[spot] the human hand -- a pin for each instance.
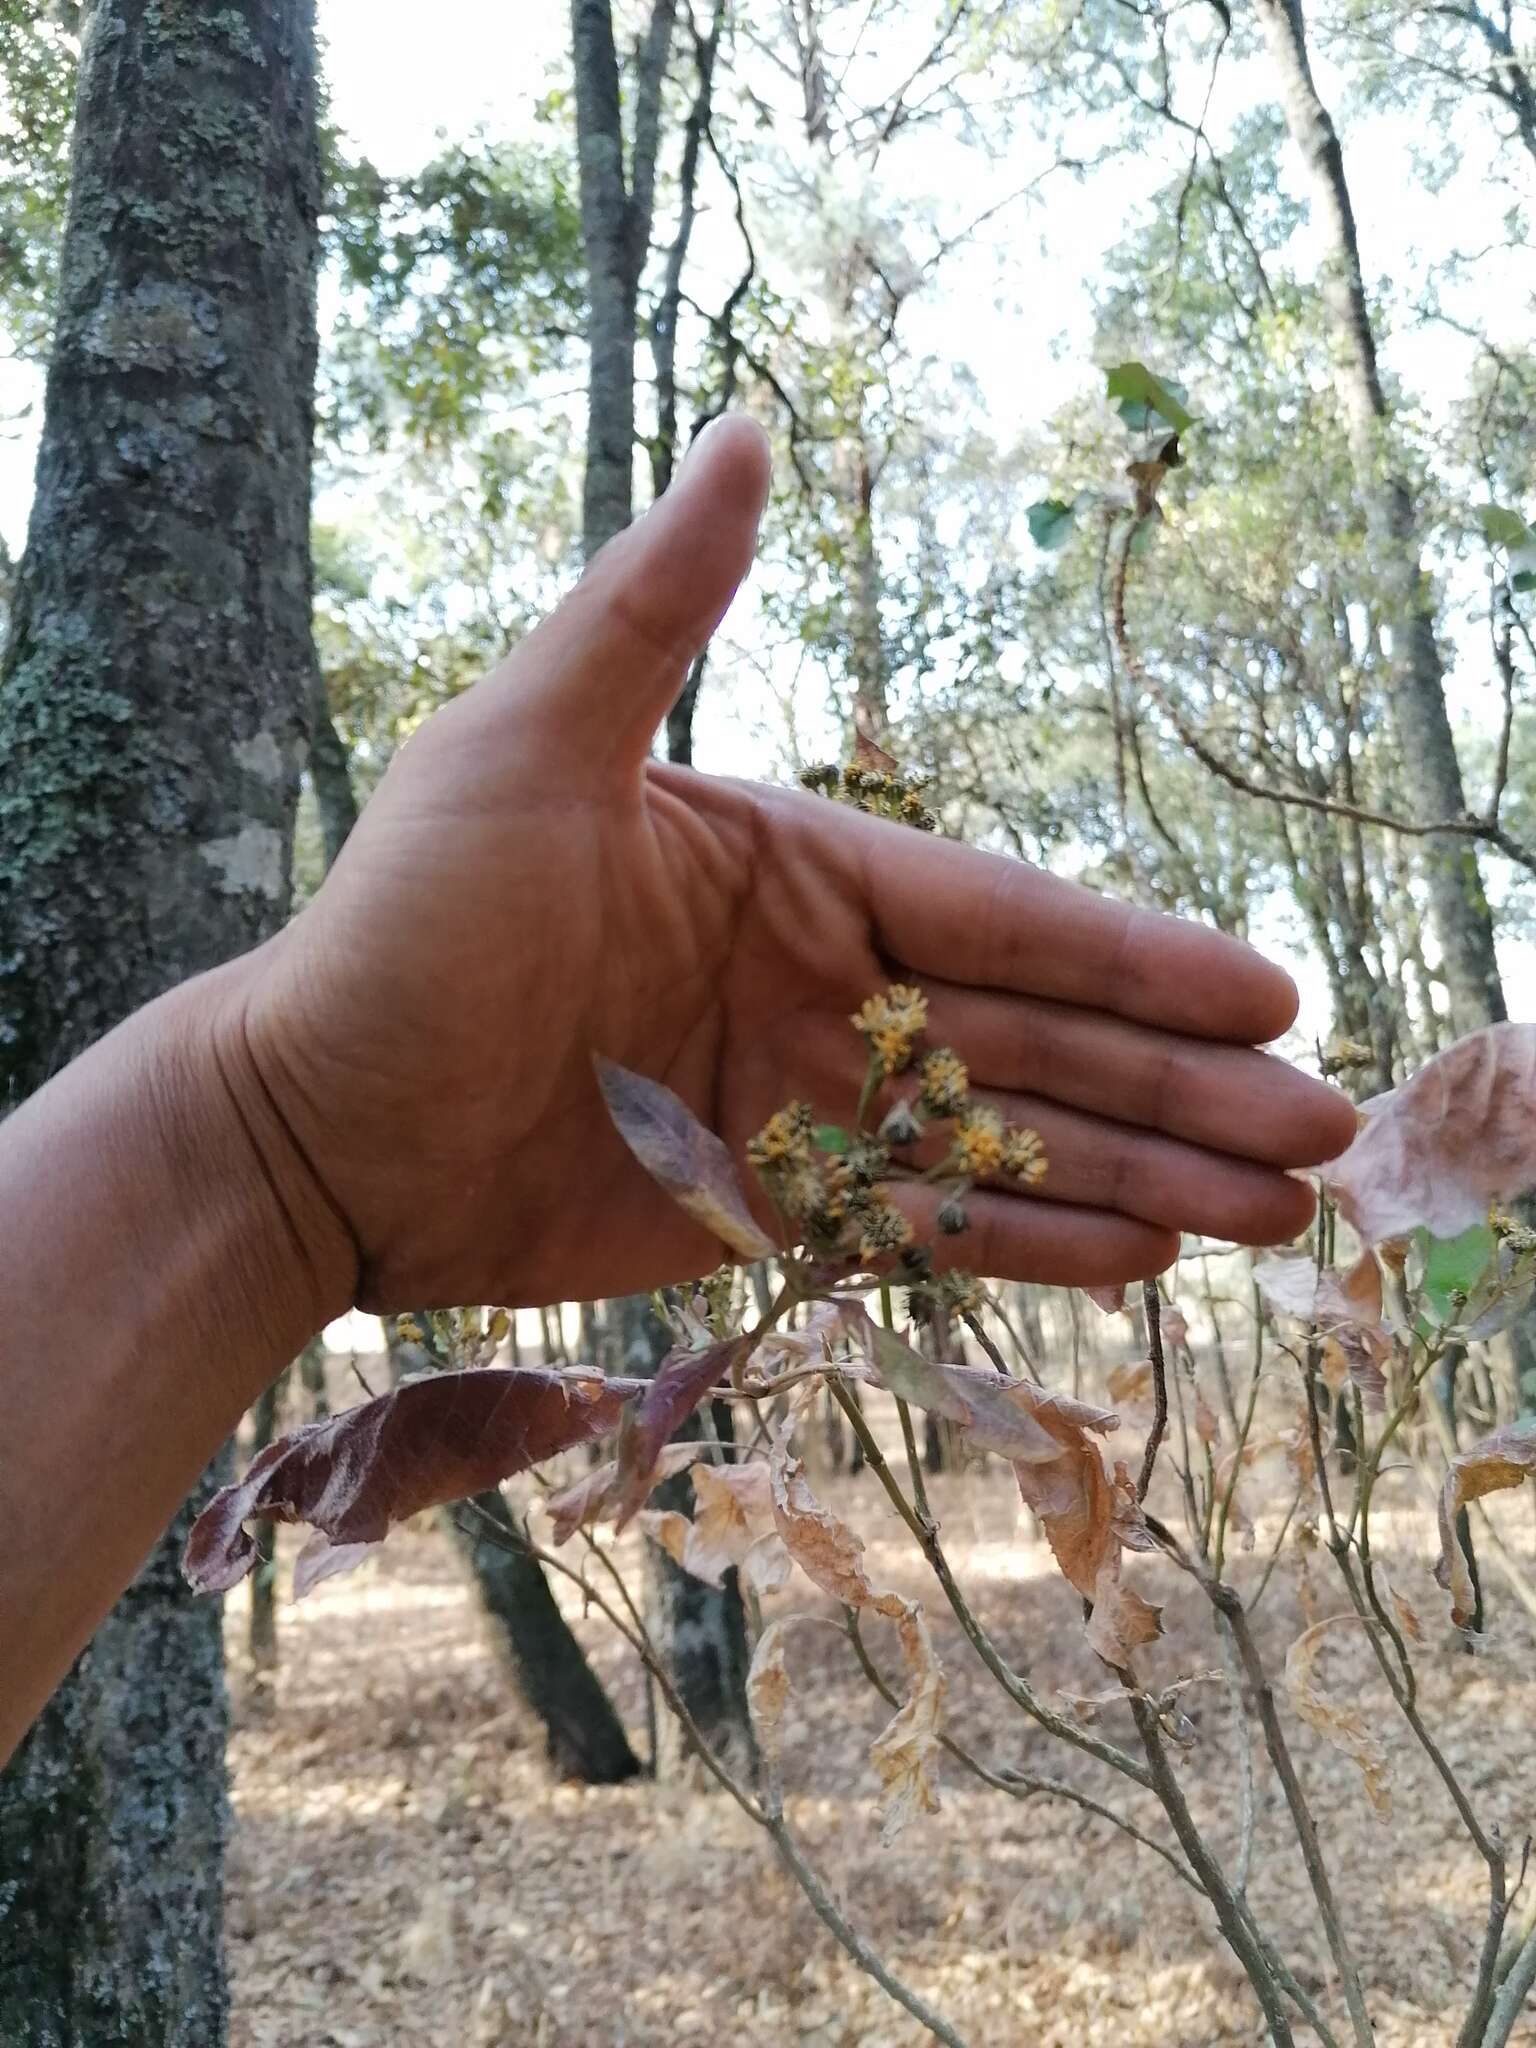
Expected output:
(528, 887)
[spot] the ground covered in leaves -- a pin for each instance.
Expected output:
(404, 1871)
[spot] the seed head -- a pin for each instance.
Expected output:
(945, 1085)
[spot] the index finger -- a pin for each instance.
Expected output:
(995, 923)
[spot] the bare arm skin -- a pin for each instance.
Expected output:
(392, 1103)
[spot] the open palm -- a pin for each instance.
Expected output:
(528, 888)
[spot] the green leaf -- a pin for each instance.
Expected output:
(1502, 528)
(1138, 394)
(1050, 521)
(832, 1138)
(1523, 580)
(1453, 1266)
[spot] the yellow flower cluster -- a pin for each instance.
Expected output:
(1024, 1156)
(980, 1141)
(891, 1024)
(880, 792)
(785, 1140)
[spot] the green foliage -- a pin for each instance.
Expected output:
(38, 50)
(1137, 396)
(1050, 522)
(459, 284)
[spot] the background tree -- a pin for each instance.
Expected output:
(154, 702)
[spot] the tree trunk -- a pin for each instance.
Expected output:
(154, 699)
(616, 205)
(583, 1736)
(700, 1629)
(263, 1625)
(1463, 924)
(330, 774)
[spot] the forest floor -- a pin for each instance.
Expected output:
(404, 1871)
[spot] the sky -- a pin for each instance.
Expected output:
(396, 82)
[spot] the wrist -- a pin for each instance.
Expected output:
(220, 1127)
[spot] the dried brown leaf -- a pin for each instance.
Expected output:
(677, 1151)
(768, 1688)
(670, 1531)
(431, 1441)
(1291, 1282)
(906, 1752)
(1088, 1519)
(1130, 1385)
(1110, 1299)
(1012, 1417)
(1337, 1723)
(1491, 1465)
(1458, 1135)
(682, 1380)
(1207, 1422)
(594, 1497)
(321, 1559)
(829, 1553)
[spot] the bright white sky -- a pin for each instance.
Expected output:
(394, 88)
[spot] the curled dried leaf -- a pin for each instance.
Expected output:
(906, 1752)
(430, 1441)
(1456, 1136)
(676, 1150)
(1089, 1520)
(682, 1380)
(1337, 1723)
(1010, 1417)
(1130, 1385)
(1491, 1465)
(768, 1689)
(594, 1497)
(829, 1553)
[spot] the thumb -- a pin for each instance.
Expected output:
(602, 670)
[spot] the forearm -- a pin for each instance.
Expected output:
(157, 1268)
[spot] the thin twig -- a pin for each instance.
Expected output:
(1019, 1784)
(1017, 1688)
(1152, 1302)
(1512, 1995)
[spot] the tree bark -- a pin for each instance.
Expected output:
(263, 1622)
(1463, 924)
(616, 208)
(154, 700)
(583, 1736)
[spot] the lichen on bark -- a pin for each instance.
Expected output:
(154, 704)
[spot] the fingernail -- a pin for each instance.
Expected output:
(701, 436)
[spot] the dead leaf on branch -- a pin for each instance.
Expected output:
(768, 1688)
(428, 1442)
(1337, 1723)
(832, 1556)
(682, 1380)
(1010, 1417)
(594, 1497)
(1110, 1299)
(1457, 1136)
(676, 1150)
(1347, 1305)
(1089, 1520)
(1291, 1282)
(1491, 1465)
(732, 1527)
(906, 1753)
